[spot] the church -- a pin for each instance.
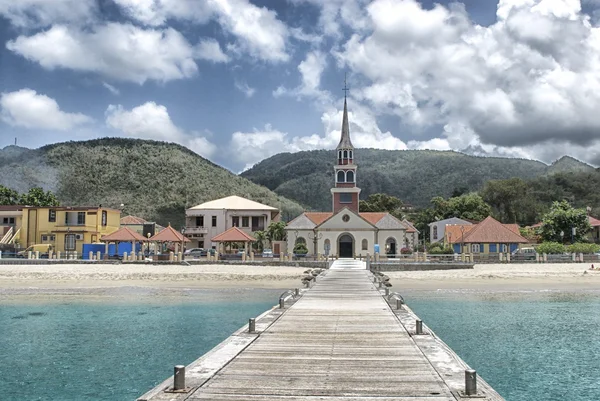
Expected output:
(346, 232)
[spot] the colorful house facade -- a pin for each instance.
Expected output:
(488, 236)
(66, 228)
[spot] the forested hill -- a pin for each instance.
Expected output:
(154, 180)
(415, 176)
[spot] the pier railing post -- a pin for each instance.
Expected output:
(398, 304)
(252, 325)
(179, 378)
(470, 382)
(419, 326)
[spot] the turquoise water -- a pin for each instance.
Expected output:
(529, 347)
(94, 351)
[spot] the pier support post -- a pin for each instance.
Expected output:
(508, 257)
(179, 378)
(37, 254)
(98, 255)
(419, 326)
(470, 382)
(91, 255)
(251, 325)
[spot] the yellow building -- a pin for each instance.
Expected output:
(10, 222)
(66, 228)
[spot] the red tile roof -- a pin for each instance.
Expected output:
(234, 234)
(455, 234)
(373, 217)
(593, 221)
(169, 234)
(318, 217)
(514, 228)
(132, 220)
(124, 234)
(491, 230)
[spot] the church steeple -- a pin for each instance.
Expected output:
(345, 193)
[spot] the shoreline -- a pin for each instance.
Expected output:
(159, 281)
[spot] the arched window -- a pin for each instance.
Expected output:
(350, 176)
(341, 177)
(435, 233)
(350, 154)
(345, 154)
(339, 154)
(365, 245)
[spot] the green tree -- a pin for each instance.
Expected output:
(276, 231)
(261, 237)
(37, 197)
(8, 196)
(563, 218)
(382, 203)
(469, 206)
(506, 197)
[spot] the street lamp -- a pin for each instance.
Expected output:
(562, 236)
(462, 242)
(182, 239)
(148, 235)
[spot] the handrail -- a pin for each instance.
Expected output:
(283, 297)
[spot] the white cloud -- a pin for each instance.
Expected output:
(41, 13)
(122, 52)
(252, 147)
(111, 88)
(209, 49)
(26, 108)
(532, 78)
(152, 121)
(258, 31)
(311, 69)
(245, 88)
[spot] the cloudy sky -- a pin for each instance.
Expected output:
(240, 80)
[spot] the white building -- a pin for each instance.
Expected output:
(206, 221)
(437, 229)
(346, 232)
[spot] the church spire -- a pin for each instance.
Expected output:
(345, 142)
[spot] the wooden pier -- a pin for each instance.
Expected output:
(340, 340)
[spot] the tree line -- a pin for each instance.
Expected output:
(34, 197)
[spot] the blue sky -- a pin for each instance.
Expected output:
(240, 80)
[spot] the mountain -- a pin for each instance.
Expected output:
(568, 164)
(415, 176)
(154, 180)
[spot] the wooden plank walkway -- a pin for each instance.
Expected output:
(339, 341)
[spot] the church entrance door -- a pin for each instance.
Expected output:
(346, 246)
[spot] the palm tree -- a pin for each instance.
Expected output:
(261, 237)
(276, 231)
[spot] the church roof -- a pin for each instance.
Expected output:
(345, 142)
(373, 217)
(318, 217)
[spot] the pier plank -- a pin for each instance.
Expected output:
(339, 341)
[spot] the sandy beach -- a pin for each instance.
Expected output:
(109, 278)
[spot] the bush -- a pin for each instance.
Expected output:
(580, 247)
(300, 249)
(551, 248)
(438, 250)
(405, 251)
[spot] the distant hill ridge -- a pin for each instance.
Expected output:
(155, 180)
(415, 176)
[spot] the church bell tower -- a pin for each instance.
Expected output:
(345, 193)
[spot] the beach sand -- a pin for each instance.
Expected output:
(123, 279)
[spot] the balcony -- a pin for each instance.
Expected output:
(196, 230)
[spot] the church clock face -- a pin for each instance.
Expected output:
(345, 218)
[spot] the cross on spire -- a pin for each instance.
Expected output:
(345, 89)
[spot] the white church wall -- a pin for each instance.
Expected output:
(358, 236)
(292, 237)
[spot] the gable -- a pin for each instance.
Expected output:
(355, 222)
(301, 222)
(389, 222)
